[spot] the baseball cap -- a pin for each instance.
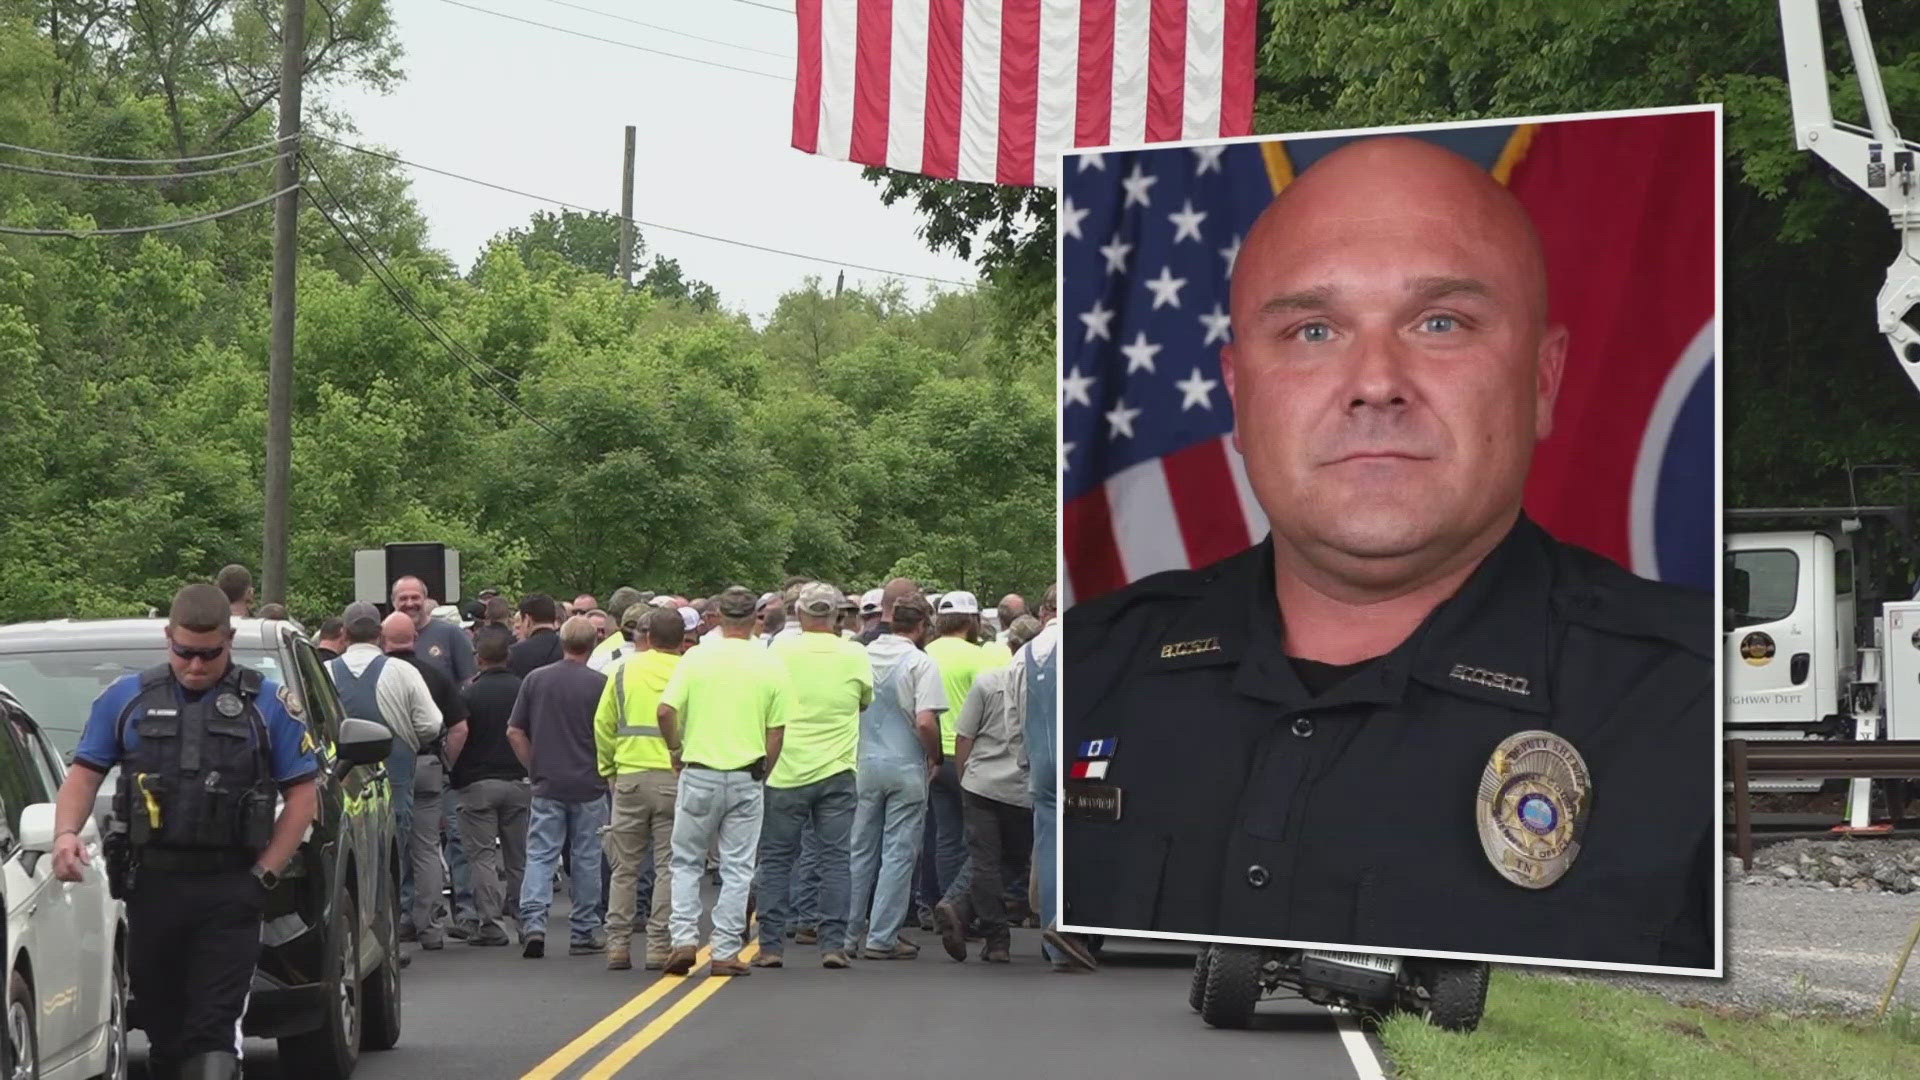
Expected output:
(959, 602)
(870, 602)
(360, 609)
(662, 601)
(690, 619)
(765, 599)
(819, 598)
(488, 594)
(630, 618)
(736, 602)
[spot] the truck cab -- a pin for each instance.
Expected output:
(1789, 629)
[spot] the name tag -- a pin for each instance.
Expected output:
(1095, 802)
(163, 712)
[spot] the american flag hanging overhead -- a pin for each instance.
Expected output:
(993, 90)
(1626, 214)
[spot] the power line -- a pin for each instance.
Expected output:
(130, 229)
(139, 178)
(637, 221)
(670, 30)
(372, 261)
(611, 41)
(144, 161)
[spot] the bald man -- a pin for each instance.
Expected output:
(1315, 740)
(443, 645)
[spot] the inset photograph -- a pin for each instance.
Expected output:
(1390, 507)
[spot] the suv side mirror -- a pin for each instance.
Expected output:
(362, 742)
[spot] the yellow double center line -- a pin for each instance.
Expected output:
(609, 1066)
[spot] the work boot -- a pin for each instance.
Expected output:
(433, 941)
(533, 946)
(489, 934)
(408, 933)
(998, 949)
(463, 929)
(807, 935)
(769, 960)
(587, 946)
(834, 958)
(1073, 948)
(656, 960)
(680, 960)
(731, 966)
(210, 1066)
(953, 934)
(619, 958)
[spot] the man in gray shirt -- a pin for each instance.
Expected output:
(995, 801)
(551, 731)
(440, 644)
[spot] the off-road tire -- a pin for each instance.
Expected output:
(1457, 994)
(1197, 989)
(1232, 986)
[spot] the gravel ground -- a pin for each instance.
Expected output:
(1802, 946)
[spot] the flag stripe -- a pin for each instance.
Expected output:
(806, 79)
(1144, 525)
(1019, 90)
(1093, 559)
(1167, 70)
(907, 89)
(980, 92)
(1236, 75)
(1201, 103)
(839, 29)
(872, 82)
(1205, 502)
(1130, 23)
(941, 156)
(1059, 77)
(1093, 118)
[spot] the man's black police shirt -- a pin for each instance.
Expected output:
(1252, 807)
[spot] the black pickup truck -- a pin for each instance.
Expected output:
(328, 981)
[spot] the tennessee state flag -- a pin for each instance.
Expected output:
(1627, 211)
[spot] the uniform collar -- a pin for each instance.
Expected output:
(1487, 643)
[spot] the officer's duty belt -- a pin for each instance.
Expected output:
(194, 861)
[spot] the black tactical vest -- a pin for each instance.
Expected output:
(200, 777)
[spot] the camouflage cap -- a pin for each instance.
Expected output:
(820, 598)
(738, 602)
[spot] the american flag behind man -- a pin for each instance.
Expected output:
(1626, 211)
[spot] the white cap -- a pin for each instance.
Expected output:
(690, 618)
(958, 602)
(870, 602)
(662, 601)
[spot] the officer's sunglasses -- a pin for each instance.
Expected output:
(188, 652)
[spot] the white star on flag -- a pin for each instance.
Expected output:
(1140, 354)
(1209, 157)
(1231, 254)
(1219, 325)
(1187, 222)
(1073, 388)
(1066, 453)
(1097, 321)
(1070, 218)
(1137, 183)
(1165, 288)
(1116, 254)
(1120, 420)
(1093, 161)
(1197, 390)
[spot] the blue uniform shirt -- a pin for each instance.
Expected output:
(101, 747)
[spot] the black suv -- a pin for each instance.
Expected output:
(328, 981)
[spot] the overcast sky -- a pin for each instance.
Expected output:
(544, 111)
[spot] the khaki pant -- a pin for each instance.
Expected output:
(642, 821)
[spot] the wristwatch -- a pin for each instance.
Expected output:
(267, 878)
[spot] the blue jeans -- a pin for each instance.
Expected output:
(886, 839)
(805, 893)
(554, 825)
(827, 807)
(1042, 739)
(724, 805)
(402, 762)
(946, 835)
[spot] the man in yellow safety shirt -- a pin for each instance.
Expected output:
(635, 759)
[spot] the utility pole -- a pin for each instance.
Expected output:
(286, 216)
(626, 215)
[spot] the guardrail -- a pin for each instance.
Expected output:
(1882, 760)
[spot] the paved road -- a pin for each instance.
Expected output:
(483, 1013)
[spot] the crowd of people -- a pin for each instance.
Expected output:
(840, 768)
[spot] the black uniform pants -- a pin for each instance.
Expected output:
(996, 832)
(192, 941)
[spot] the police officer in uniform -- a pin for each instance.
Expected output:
(203, 747)
(1410, 718)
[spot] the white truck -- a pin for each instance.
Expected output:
(1806, 655)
